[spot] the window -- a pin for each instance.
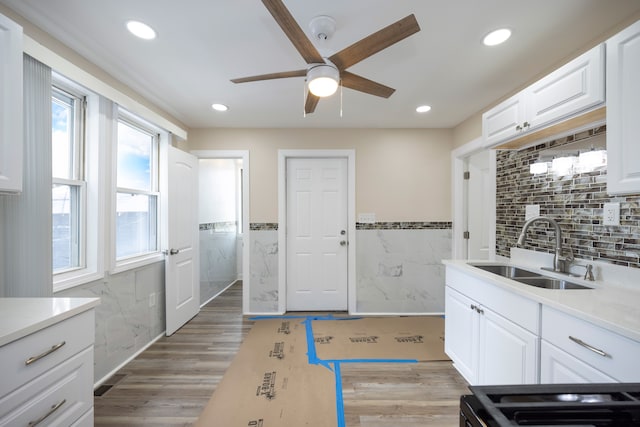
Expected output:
(136, 201)
(69, 187)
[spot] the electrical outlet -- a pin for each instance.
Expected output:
(152, 299)
(611, 214)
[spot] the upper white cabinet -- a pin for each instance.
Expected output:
(570, 90)
(10, 106)
(623, 111)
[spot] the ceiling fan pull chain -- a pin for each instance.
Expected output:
(341, 98)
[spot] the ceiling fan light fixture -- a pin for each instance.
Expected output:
(323, 80)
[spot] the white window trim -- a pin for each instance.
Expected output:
(120, 265)
(93, 227)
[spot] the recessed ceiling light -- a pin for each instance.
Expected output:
(423, 108)
(219, 107)
(497, 37)
(142, 30)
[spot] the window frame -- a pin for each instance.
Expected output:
(140, 259)
(89, 184)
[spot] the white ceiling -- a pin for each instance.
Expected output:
(202, 44)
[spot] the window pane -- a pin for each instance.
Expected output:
(62, 136)
(65, 230)
(134, 158)
(135, 224)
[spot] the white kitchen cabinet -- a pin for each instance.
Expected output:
(571, 90)
(490, 333)
(559, 367)
(10, 106)
(623, 110)
(48, 370)
(574, 350)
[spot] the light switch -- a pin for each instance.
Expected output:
(367, 218)
(531, 211)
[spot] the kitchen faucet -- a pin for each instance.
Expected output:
(559, 261)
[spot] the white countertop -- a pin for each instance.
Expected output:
(612, 307)
(20, 317)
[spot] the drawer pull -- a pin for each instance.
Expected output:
(53, 409)
(30, 360)
(589, 347)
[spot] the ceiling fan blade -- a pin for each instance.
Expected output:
(271, 76)
(311, 103)
(293, 31)
(355, 82)
(375, 42)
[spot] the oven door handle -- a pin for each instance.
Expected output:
(589, 347)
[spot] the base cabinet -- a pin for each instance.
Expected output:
(559, 367)
(485, 347)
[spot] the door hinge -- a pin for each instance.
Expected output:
(466, 175)
(465, 235)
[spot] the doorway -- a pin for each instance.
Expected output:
(474, 206)
(223, 220)
(316, 230)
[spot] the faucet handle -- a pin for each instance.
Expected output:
(588, 275)
(567, 255)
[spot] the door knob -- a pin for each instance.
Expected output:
(343, 242)
(172, 251)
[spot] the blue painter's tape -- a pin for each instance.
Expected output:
(339, 398)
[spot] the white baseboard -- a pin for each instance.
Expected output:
(218, 294)
(123, 364)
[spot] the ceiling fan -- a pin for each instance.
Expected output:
(334, 67)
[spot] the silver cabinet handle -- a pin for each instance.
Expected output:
(53, 409)
(32, 359)
(589, 347)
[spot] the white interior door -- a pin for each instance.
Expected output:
(182, 262)
(478, 205)
(317, 234)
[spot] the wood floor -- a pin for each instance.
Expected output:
(170, 383)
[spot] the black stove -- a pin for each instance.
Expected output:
(584, 405)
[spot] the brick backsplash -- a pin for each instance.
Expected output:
(575, 201)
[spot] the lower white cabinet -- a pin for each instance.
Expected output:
(487, 348)
(559, 367)
(48, 375)
(574, 350)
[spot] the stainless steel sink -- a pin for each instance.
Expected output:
(549, 283)
(529, 277)
(506, 271)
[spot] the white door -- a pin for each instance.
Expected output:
(182, 263)
(317, 234)
(478, 205)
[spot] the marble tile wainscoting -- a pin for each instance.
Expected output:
(575, 200)
(218, 258)
(125, 322)
(398, 267)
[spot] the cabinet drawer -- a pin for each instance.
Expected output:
(518, 309)
(67, 387)
(584, 340)
(76, 333)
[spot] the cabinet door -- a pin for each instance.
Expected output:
(572, 88)
(503, 121)
(508, 352)
(623, 110)
(10, 106)
(461, 334)
(559, 367)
